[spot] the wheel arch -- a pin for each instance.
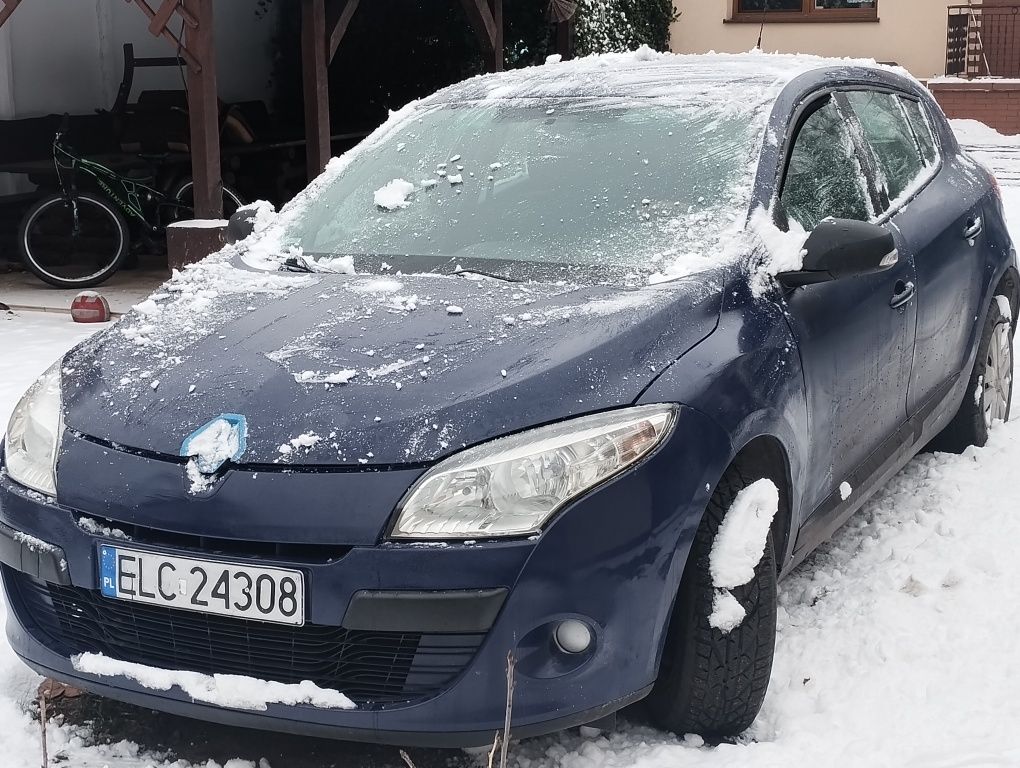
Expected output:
(1009, 286)
(765, 456)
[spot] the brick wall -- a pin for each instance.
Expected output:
(996, 103)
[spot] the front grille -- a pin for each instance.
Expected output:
(369, 667)
(295, 553)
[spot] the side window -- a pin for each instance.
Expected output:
(887, 130)
(824, 177)
(921, 123)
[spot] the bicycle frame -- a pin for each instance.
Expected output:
(131, 196)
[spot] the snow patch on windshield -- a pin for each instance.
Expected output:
(393, 196)
(232, 691)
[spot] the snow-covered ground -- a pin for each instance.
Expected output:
(897, 641)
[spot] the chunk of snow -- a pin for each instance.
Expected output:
(1005, 310)
(393, 195)
(495, 166)
(554, 58)
(96, 528)
(318, 377)
(198, 224)
(727, 612)
(307, 441)
(231, 691)
(740, 540)
(785, 250)
(455, 179)
(845, 489)
(453, 309)
(215, 444)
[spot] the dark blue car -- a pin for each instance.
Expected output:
(561, 370)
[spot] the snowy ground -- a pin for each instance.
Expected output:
(897, 642)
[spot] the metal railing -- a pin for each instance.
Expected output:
(983, 41)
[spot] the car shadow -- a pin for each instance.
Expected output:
(195, 741)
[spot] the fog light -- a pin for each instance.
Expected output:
(573, 636)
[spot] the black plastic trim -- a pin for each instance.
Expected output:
(46, 563)
(469, 610)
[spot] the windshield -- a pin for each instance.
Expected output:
(630, 184)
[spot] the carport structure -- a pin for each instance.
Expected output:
(323, 26)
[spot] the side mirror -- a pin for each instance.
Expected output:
(839, 248)
(242, 223)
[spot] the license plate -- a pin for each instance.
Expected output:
(227, 589)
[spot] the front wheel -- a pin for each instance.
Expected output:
(989, 393)
(718, 656)
(73, 242)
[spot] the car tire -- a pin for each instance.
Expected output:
(973, 421)
(713, 683)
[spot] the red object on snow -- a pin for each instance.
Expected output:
(90, 307)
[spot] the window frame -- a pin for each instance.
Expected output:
(883, 204)
(862, 154)
(862, 149)
(807, 13)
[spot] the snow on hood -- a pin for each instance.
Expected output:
(366, 369)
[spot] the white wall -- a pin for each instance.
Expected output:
(65, 55)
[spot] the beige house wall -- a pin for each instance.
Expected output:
(911, 33)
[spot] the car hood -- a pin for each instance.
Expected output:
(372, 370)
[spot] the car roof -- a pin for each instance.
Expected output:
(681, 77)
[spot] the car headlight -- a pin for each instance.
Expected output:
(513, 485)
(33, 435)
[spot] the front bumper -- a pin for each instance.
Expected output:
(612, 560)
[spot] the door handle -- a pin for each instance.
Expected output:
(973, 228)
(903, 293)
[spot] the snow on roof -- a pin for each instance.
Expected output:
(645, 73)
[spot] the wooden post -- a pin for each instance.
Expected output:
(565, 38)
(494, 61)
(486, 16)
(204, 112)
(315, 76)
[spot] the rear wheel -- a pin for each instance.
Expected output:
(76, 242)
(713, 682)
(184, 196)
(990, 390)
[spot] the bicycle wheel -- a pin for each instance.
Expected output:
(75, 243)
(184, 196)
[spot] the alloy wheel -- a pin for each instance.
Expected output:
(998, 378)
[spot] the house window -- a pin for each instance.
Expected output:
(804, 10)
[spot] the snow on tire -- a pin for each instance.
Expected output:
(718, 655)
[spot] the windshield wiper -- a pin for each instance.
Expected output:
(297, 264)
(504, 278)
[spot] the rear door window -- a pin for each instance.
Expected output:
(921, 123)
(824, 176)
(889, 133)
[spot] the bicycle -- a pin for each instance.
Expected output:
(78, 239)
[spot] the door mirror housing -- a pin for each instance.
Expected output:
(840, 248)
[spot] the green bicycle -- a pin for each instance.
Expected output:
(77, 238)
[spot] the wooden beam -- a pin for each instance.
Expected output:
(204, 112)
(495, 60)
(7, 7)
(565, 38)
(160, 18)
(181, 45)
(339, 28)
(315, 79)
(486, 17)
